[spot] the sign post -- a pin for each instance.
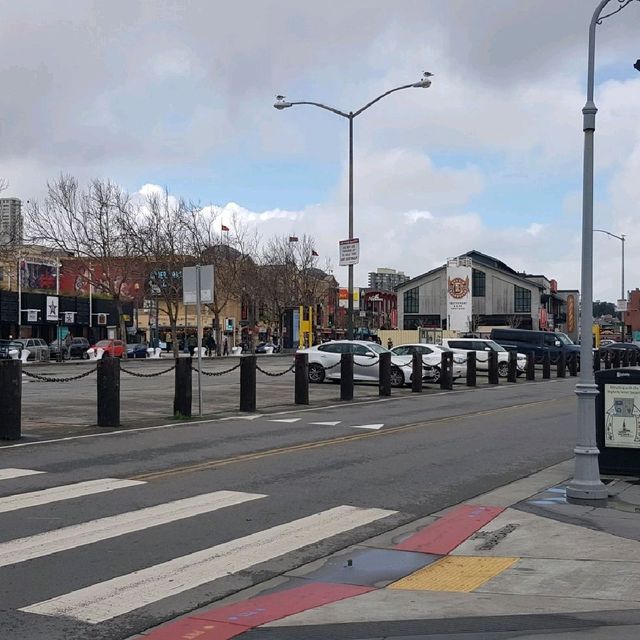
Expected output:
(197, 288)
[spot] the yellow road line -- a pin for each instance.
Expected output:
(307, 446)
(461, 574)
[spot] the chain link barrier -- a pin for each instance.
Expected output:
(216, 373)
(276, 374)
(35, 376)
(146, 375)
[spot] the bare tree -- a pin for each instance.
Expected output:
(161, 233)
(514, 321)
(231, 249)
(290, 276)
(90, 225)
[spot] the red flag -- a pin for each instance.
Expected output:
(293, 238)
(225, 228)
(314, 253)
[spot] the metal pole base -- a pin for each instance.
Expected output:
(586, 484)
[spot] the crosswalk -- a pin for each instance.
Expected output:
(105, 596)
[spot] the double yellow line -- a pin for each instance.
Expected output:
(308, 446)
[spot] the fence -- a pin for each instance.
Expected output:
(109, 370)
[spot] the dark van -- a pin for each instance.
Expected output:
(537, 342)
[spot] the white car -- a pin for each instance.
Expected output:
(324, 362)
(482, 347)
(432, 357)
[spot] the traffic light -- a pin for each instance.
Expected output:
(636, 66)
(229, 324)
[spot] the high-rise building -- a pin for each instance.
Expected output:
(384, 279)
(10, 221)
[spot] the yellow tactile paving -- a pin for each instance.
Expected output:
(455, 573)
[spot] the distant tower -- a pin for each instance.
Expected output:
(10, 221)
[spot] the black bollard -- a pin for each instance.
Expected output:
(302, 379)
(546, 366)
(616, 359)
(561, 365)
(512, 367)
(596, 360)
(446, 370)
(108, 392)
(11, 394)
(248, 383)
(633, 358)
(607, 359)
(625, 358)
(182, 393)
(573, 365)
(492, 362)
(346, 376)
(531, 366)
(384, 375)
(471, 368)
(416, 372)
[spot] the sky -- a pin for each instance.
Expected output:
(179, 95)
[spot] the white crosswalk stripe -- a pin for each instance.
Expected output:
(64, 492)
(106, 600)
(7, 474)
(44, 544)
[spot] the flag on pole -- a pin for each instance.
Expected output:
(225, 228)
(293, 238)
(314, 253)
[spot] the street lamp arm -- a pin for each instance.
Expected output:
(613, 235)
(323, 106)
(623, 4)
(384, 95)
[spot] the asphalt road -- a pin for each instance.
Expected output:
(391, 460)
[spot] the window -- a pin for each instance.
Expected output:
(478, 284)
(360, 350)
(522, 300)
(411, 300)
(330, 348)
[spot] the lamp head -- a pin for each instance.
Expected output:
(281, 103)
(636, 66)
(424, 82)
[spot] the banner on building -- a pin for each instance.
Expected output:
(459, 309)
(343, 298)
(39, 274)
(52, 309)
(32, 315)
(69, 317)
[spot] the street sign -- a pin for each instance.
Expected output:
(69, 317)
(349, 252)
(621, 305)
(32, 315)
(189, 286)
(52, 308)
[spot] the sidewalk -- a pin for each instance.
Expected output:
(518, 561)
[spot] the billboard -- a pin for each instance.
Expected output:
(459, 308)
(38, 274)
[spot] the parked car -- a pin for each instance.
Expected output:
(537, 342)
(432, 358)
(6, 346)
(77, 348)
(481, 347)
(366, 356)
(38, 348)
(619, 346)
(137, 350)
(267, 347)
(114, 348)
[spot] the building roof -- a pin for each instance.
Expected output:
(478, 258)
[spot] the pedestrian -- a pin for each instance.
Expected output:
(389, 343)
(192, 343)
(225, 347)
(169, 340)
(210, 343)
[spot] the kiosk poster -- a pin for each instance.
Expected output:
(621, 413)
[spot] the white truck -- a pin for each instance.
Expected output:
(482, 347)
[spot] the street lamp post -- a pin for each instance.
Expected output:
(586, 483)
(621, 237)
(283, 103)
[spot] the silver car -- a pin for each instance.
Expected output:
(37, 347)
